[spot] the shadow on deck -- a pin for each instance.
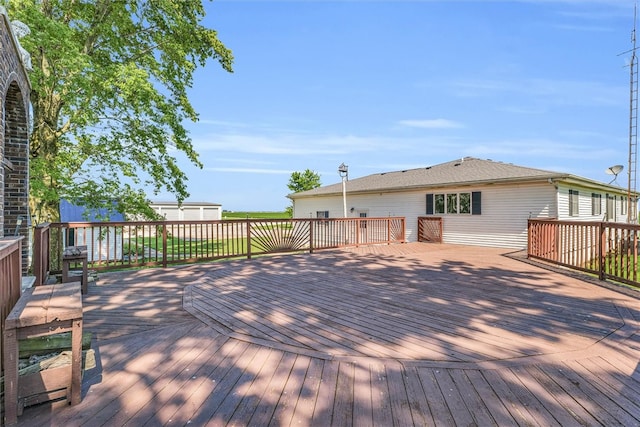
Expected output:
(412, 334)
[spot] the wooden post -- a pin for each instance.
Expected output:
(248, 239)
(310, 236)
(164, 245)
(601, 253)
(529, 237)
(634, 264)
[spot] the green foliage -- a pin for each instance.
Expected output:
(303, 181)
(289, 211)
(109, 98)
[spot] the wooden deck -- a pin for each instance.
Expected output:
(413, 334)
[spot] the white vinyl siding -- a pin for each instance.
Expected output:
(380, 205)
(585, 205)
(502, 221)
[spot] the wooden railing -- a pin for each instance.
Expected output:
(430, 229)
(10, 280)
(118, 245)
(607, 249)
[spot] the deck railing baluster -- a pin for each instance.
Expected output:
(609, 250)
(160, 243)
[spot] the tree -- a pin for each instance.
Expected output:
(109, 97)
(302, 181)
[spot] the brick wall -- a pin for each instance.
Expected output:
(14, 141)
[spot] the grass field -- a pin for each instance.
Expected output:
(254, 215)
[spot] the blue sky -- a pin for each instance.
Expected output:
(392, 85)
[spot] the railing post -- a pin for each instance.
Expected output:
(529, 236)
(164, 245)
(37, 255)
(635, 257)
(601, 253)
(310, 236)
(248, 239)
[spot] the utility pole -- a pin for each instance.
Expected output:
(632, 203)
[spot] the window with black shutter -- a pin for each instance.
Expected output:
(454, 203)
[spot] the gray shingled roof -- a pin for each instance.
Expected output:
(464, 171)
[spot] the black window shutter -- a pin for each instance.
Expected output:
(429, 204)
(476, 203)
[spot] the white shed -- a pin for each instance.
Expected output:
(481, 202)
(188, 211)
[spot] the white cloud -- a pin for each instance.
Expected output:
(292, 144)
(540, 148)
(432, 124)
(251, 170)
(587, 28)
(554, 92)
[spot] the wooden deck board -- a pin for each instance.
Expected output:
(221, 404)
(400, 408)
(472, 400)
(363, 404)
(417, 400)
(282, 392)
(323, 407)
(307, 400)
(401, 335)
(593, 404)
(566, 400)
(380, 398)
(192, 399)
(606, 404)
(499, 413)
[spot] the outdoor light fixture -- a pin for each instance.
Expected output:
(343, 170)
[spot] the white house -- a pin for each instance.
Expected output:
(481, 202)
(188, 211)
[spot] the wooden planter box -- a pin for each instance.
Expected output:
(43, 386)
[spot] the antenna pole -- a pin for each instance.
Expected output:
(633, 127)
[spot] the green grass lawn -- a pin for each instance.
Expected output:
(184, 247)
(254, 215)
(151, 247)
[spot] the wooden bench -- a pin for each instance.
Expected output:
(43, 310)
